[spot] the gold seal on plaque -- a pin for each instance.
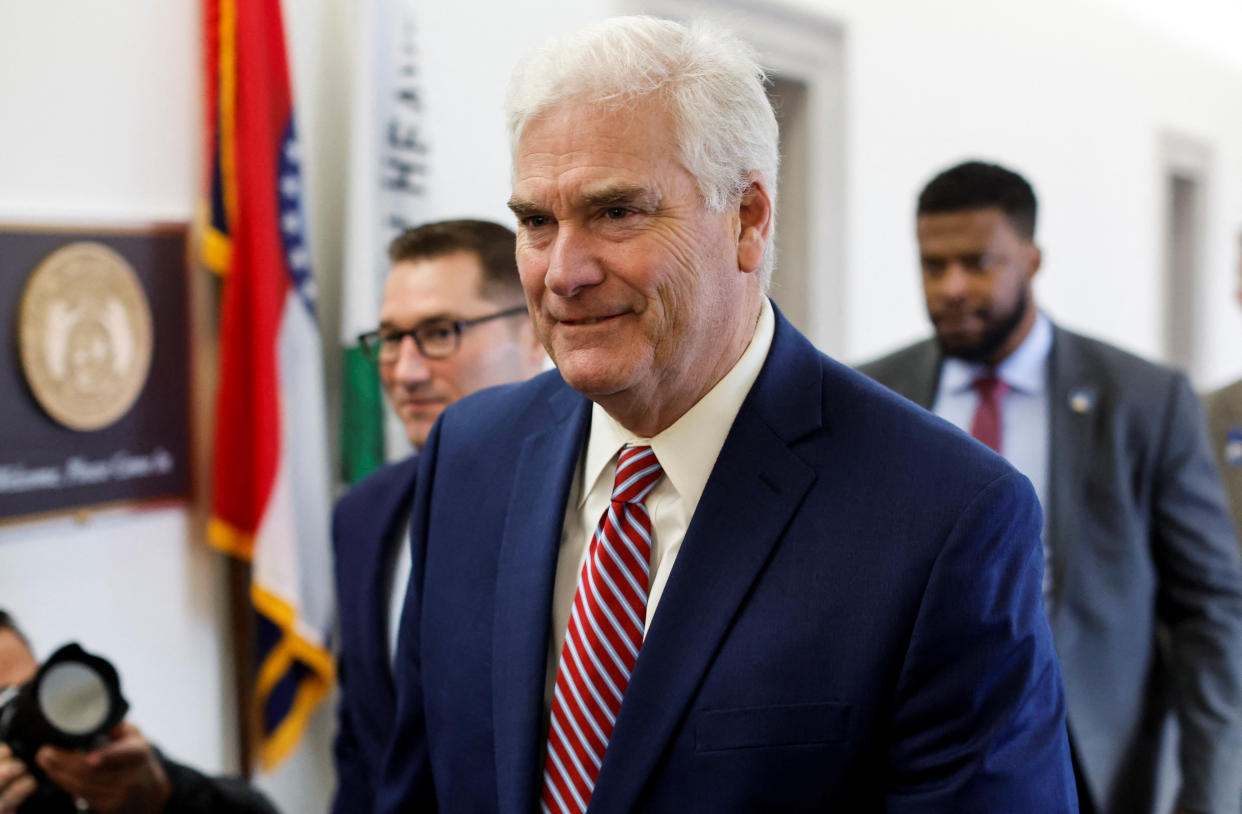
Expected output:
(84, 330)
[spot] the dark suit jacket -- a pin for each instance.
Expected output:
(1141, 547)
(367, 526)
(1224, 410)
(853, 622)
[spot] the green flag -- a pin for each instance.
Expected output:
(387, 193)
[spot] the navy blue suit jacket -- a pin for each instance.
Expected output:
(367, 526)
(853, 623)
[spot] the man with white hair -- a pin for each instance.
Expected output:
(701, 566)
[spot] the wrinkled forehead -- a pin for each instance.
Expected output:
(586, 137)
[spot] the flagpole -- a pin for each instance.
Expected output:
(241, 626)
(205, 297)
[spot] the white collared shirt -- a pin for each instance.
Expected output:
(398, 581)
(687, 450)
(1024, 410)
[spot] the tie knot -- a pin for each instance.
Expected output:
(637, 473)
(990, 387)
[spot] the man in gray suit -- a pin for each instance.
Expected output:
(1142, 579)
(1224, 409)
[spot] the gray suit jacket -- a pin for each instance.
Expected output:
(1146, 610)
(1224, 410)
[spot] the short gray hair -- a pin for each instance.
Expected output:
(710, 79)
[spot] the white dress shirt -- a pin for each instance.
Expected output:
(687, 451)
(398, 581)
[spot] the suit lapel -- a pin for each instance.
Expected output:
(723, 552)
(526, 571)
(1073, 402)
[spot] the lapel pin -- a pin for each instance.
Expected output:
(1233, 447)
(1081, 400)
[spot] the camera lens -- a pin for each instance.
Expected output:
(74, 698)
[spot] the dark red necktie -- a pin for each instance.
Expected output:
(986, 425)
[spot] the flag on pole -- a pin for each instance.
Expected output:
(387, 193)
(270, 498)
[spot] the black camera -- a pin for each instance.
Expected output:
(72, 702)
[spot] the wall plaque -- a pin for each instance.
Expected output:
(95, 383)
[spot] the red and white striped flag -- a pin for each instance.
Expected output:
(270, 499)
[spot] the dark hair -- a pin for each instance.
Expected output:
(977, 185)
(492, 243)
(7, 623)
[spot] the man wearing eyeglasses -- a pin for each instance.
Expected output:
(452, 321)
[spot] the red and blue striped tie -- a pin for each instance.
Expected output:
(605, 632)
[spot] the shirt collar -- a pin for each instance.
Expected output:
(1024, 370)
(688, 449)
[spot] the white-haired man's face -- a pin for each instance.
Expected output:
(642, 297)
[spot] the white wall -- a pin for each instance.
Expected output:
(131, 586)
(101, 122)
(101, 110)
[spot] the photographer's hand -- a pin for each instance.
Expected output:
(124, 776)
(16, 784)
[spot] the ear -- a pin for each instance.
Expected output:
(1034, 261)
(755, 217)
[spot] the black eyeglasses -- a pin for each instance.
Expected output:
(435, 338)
